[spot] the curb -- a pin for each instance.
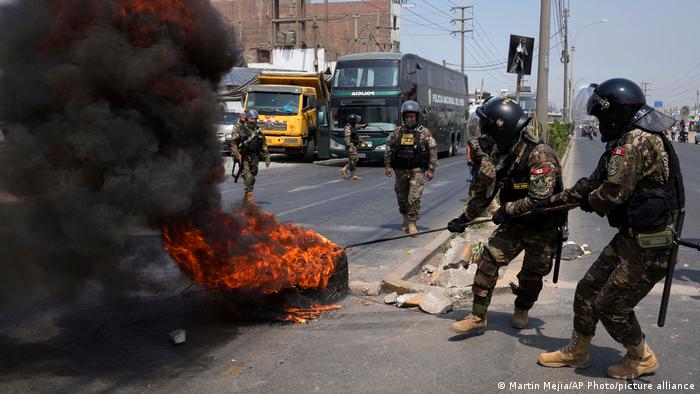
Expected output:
(565, 156)
(395, 280)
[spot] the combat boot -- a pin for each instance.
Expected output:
(575, 354)
(472, 324)
(248, 199)
(411, 228)
(638, 361)
(519, 318)
(344, 171)
(404, 225)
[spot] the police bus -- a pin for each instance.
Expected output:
(374, 85)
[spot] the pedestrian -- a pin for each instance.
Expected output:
(638, 186)
(524, 171)
(411, 151)
(248, 146)
(352, 142)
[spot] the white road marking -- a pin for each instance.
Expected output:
(342, 228)
(301, 208)
(310, 187)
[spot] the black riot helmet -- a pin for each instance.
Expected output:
(354, 119)
(615, 103)
(503, 120)
(410, 106)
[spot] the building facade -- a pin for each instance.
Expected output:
(340, 28)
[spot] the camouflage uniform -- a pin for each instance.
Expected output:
(409, 182)
(352, 140)
(624, 272)
(538, 239)
(243, 137)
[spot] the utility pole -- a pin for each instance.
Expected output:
(697, 96)
(462, 30)
(565, 60)
(369, 37)
(315, 30)
(646, 88)
(543, 69)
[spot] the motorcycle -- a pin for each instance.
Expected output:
(683, 137)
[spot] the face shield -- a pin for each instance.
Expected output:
(596, 104)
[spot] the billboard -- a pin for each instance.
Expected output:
(520, 54)
(658, 104)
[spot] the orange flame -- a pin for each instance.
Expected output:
(251, 252)
(304, 315)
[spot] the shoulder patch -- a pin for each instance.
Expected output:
(540, 171)
(618, 151)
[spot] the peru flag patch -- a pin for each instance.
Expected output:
(540, 171)
(618, 151)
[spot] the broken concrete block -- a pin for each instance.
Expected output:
(570, 251)
(364, 288)
(435, 302)
(454, 278)
(429, 269)
(408, 300)
(586, 249)
(436, 276)
(457, 293)
(466, 256)
(178, 337)
(391, 298)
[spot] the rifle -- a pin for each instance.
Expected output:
(671, 268)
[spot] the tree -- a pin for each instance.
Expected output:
(685, 111)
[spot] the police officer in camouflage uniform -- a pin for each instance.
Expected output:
(248, 146)
(637, 185)
(524, 170)
(411, 151)
(352, 142)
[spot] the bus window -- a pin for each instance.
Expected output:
(380, 73)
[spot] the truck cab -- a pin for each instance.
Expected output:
(289, 105)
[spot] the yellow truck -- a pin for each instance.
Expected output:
(290, 105)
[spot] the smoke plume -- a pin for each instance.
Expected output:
(108, 109)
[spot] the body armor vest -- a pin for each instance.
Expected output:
(253, 144)
(408, 154)
(514, 184)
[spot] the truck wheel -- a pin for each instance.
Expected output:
(310, 151)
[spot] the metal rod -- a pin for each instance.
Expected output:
(473, 222)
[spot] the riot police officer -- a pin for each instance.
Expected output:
(638, 186)
(248, 146)
(524, 171)
(352, 143)
(411, 151)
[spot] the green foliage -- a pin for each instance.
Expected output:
(559, 136)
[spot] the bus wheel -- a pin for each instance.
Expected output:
(451, 149)
(310, 151)
(456, 145)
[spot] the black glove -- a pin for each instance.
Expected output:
(540, 207)
(585, 205)
(458, 224)
(500, 216)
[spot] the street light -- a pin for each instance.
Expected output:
(573, 59)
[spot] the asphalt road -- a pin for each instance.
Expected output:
(347, 212)
(365, 347)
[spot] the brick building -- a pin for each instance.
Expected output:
(339, 27)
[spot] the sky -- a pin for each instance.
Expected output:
(643, 40)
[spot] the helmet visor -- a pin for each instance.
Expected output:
(596, 104)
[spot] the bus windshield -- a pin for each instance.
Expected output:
(376, 117)
(273, 103)
(367, 74)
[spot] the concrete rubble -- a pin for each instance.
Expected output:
(391, 298)
(360, 288)
(409, 300)
(571, 251)
(178, 337)
(435, 301)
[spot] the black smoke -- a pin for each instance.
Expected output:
(108, 109)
